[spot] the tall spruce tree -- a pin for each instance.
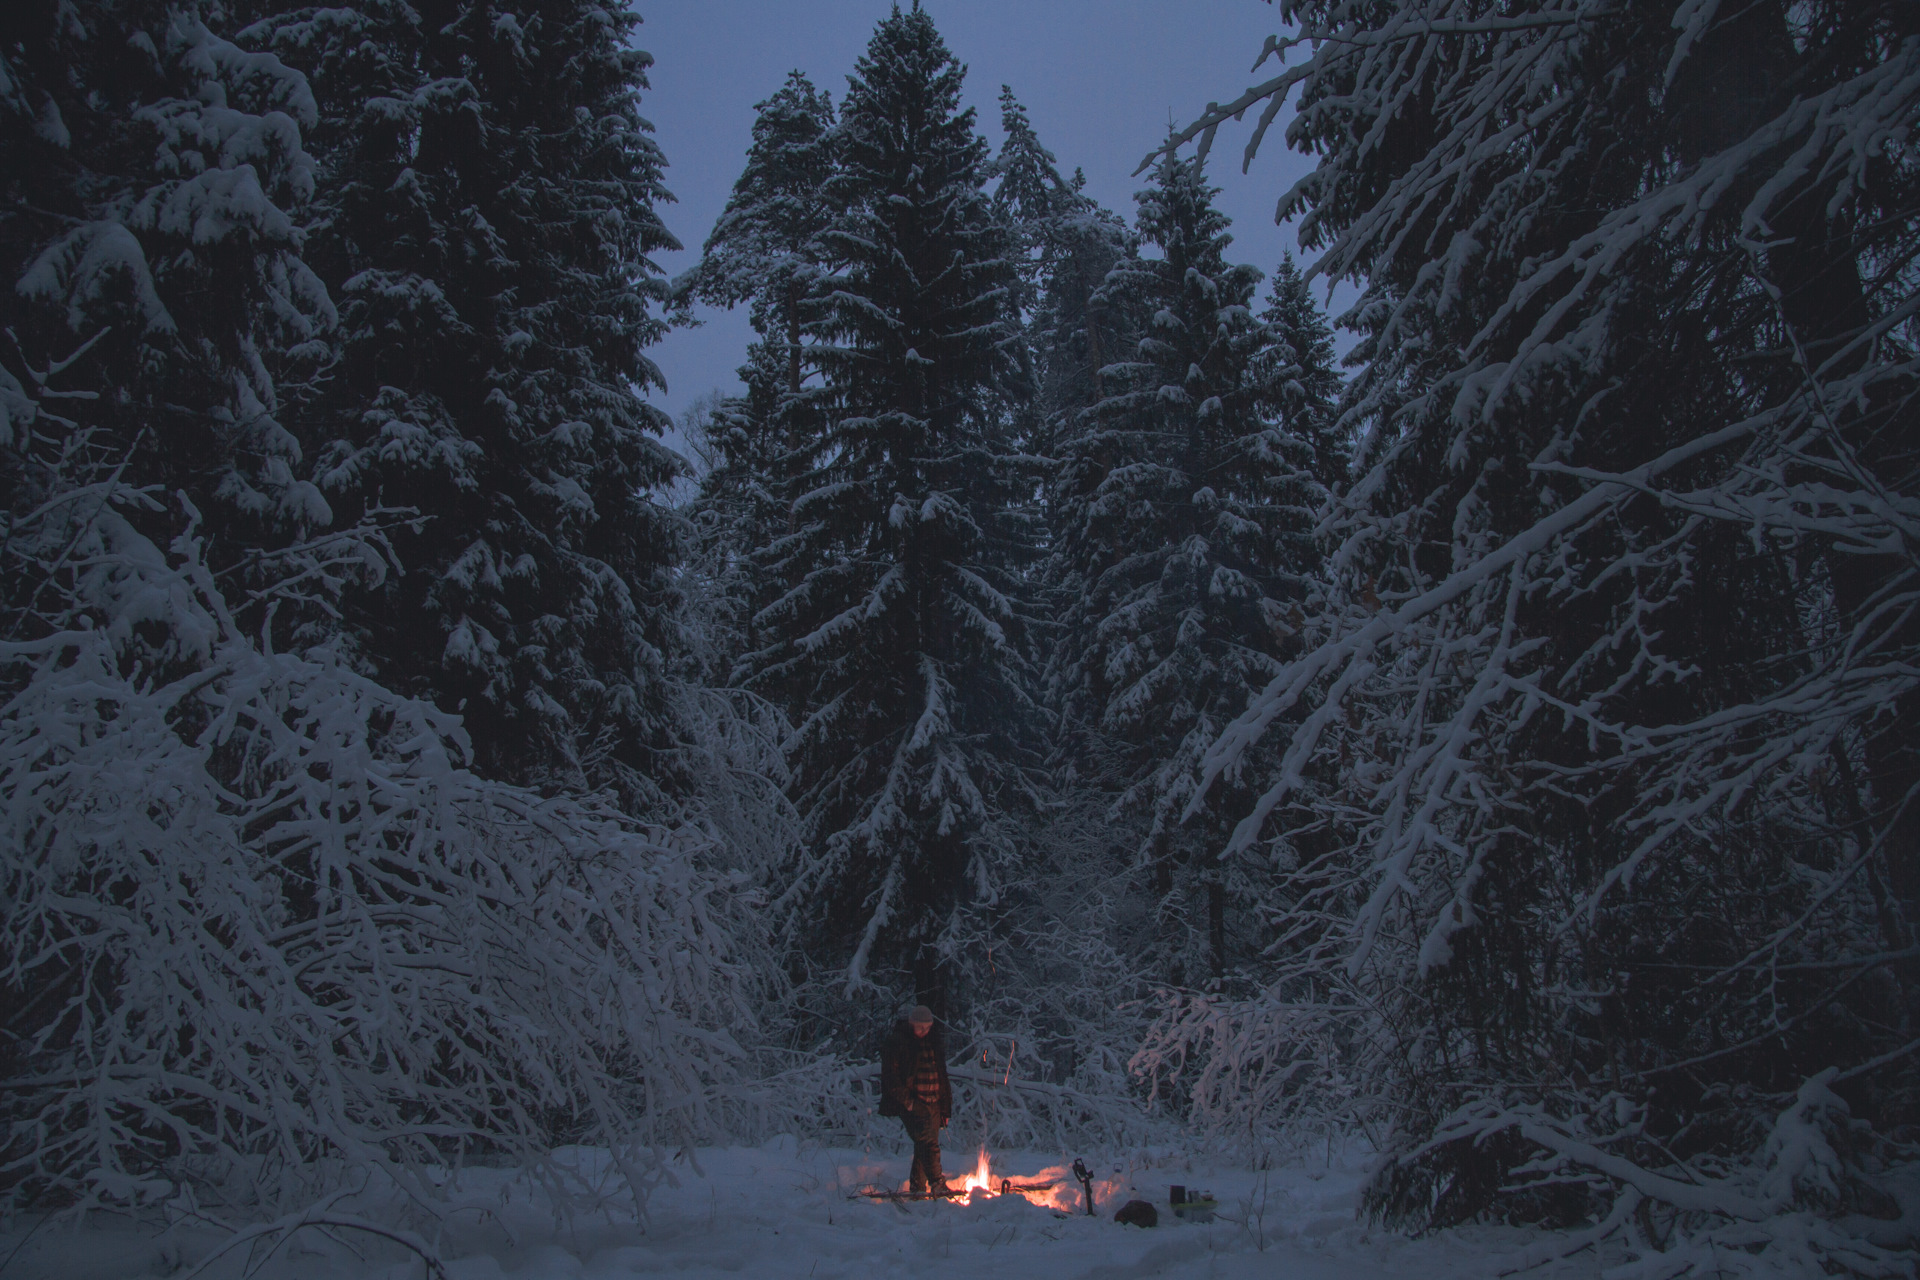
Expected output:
(1183, 510)
(762, 250)
(489, 192)
(897, 646)
(765, 251)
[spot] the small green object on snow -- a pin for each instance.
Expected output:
(1192, 1206)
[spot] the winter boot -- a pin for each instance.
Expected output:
(927, 1178)
(936, 1180)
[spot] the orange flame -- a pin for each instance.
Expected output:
(981, 1179)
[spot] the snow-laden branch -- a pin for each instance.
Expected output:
(263, 921)
(1592, 772)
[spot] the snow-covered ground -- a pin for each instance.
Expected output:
(783, 1211)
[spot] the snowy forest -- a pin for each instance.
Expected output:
(1494, 751)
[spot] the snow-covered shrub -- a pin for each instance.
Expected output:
(1798, 1201)
(262, 927)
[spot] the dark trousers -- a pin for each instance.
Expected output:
(923, 1126)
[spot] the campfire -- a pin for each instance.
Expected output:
(1054, 1187)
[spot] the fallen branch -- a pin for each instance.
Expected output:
(321, 1216)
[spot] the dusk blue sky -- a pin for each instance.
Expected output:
(1101, 79)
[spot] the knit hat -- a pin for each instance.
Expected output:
(920, 1013)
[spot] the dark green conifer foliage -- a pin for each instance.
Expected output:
(1298, 370)
(1029, 192)
(1069, 243)
(1608, 714)
(762, 249)
(897, 646)
(1183, 508)
(489, 191)
(740, 514)
(155, 309)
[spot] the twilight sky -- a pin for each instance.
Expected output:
(1100, 78)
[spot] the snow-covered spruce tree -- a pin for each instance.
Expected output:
(1028, 189)
(488, 195)
(896, 648)
(1298, 372)
(762, 250)
(261, 930)
(1611, 696)
(153, 177)
(765, 251)
(1183, 517)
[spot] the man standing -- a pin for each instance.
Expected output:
(913, 1086)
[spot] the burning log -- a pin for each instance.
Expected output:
(1009, 1187)
(882, 1193)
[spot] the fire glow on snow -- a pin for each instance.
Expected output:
(1053, 1187)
